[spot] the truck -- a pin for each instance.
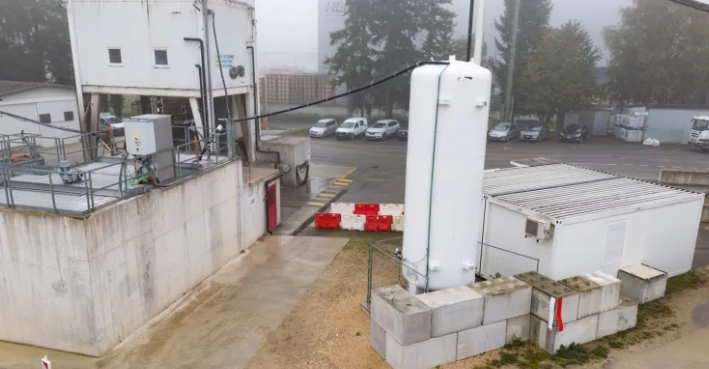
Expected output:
(699, 135)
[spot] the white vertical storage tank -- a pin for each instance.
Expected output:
(448, 121)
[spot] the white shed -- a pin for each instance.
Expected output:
(53, 105)
(564, 221)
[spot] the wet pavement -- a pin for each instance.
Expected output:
(220, 324)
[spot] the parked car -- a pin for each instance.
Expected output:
(574, 133)
(535, 132)
(107, 121)
(503, 132)
(383, 129)
(403, 134)
(323, 128)
(352, 128)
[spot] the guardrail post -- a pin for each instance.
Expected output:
(51, 191)
(370, 263)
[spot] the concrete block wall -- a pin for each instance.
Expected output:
(84, 285)
(642, 283)
(467, 321)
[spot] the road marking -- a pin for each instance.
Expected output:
(327, 195)
(593, 164)
(628, 165)
(344, 180)
(331, 191)
(319, 204)
(644, 165)
(348, 173)
(677, 167)
(341, 183)
(338, 186)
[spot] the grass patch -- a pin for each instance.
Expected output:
(573, 354)
(600, 351)
(616, 344)
(691, 280)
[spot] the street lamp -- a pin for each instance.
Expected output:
(480, 13)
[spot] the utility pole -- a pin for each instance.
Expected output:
(479, 25)
(507, 114)
(470, 30)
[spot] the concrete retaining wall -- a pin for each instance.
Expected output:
(84, 285)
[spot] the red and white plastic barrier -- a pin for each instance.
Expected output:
(363, 217)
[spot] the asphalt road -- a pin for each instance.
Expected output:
(381, 166)
(380, 174)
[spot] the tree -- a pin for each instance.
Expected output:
(384, 36)
(460, 50)
(562, 73)
(658, 54)
(533, 25)
(353, 63)
(34, 42)
(117, 105)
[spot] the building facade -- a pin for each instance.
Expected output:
(52, 105)
(295, 88)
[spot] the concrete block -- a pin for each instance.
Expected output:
(589, 294)
(401, 315)
(642, 283)
(481, 339)
(581, 331)
(609, 297)
(377, 338)
(423, 355)
(518, 328)
(504, 298)
(342, 208)
(455, 309)
(622, 318)
(543, 290)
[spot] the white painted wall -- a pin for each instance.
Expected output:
(85, 285)
(31, 104)
(664, 238)
(138, 27)
(505, 229)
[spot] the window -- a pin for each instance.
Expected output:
(161, 57)
(45, 118)
(68, 116)
(114, 56)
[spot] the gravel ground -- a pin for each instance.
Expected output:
(328, 329)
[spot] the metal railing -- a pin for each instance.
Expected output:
(385, 268)
(65, 199)
(495, 262)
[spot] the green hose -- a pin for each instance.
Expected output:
(433, 168)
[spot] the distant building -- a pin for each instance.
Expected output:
(53, 105)
(295, 88)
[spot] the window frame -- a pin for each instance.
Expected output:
(72, 116)
(45, 115)
(120, 51)
(155, 57)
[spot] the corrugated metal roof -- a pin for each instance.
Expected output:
(576, 200)
(515, 180)
(11, 87)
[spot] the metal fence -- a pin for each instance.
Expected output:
(31, 185)
(385, 268)
(495, 262)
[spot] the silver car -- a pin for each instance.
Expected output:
(323, 128)
(503, 132)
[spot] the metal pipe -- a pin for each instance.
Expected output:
(470, 30)
(203, 80)
(257, 120)
(509, 111)
(51, 190)
(208, 69)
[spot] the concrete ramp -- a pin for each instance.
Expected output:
(220, 324)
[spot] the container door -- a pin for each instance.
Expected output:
(272, 207)
(615, 247)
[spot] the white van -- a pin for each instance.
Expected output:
(352, 128)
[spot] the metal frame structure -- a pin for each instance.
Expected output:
(27, 182)
(702, 5)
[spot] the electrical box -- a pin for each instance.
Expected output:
(538, 228)
(150, 137)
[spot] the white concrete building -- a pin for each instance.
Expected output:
(53, 105)
(164, 48)
(566, 221)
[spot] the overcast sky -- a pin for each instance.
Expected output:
(288, 28)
